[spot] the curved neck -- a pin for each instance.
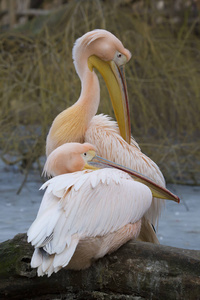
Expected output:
(89, 99)
(71, 124)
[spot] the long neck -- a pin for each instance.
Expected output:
(71, 124)
(88, 101)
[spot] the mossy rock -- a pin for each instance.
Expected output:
(136, 271)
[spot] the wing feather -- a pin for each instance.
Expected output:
(104, 133)
(90, 204)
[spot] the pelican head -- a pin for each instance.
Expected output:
(103, 51)
(68, 158)
(73, 157)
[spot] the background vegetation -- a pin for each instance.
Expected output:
(38, 80)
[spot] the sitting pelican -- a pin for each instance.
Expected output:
(101, 50)
(87, 212)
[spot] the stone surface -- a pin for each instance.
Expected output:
(136, 271)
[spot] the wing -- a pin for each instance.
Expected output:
(89, 204)
(104, 134)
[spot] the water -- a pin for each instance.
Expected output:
(179, 224)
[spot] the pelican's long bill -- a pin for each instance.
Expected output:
(114, 77)
(158, 191)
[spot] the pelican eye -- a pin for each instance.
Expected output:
(87, 156)
(120, 59)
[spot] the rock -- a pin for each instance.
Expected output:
(136, 271)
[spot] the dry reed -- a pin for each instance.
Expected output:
(38, 81)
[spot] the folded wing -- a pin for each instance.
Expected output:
(81, 205)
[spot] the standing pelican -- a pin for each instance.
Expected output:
(101, 50)
(89, 212)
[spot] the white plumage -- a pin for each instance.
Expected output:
(104, 133)
(84, 206)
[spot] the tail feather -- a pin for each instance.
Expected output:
(62, 259)
(36, 260)
(47, 263)
(50, 270)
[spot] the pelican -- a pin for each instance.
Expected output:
(101, 50)
(89, 209)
